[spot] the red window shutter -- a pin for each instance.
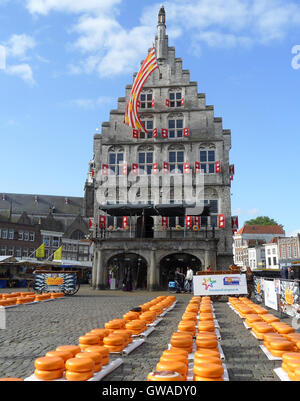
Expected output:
(186, 132)
(218, 167)
(167, 102)
(105, 169)
(135, 169)
(182, 102)
(155, 168)
(124, 169)
(165, 222)
(164, 133)
(93, 172)
(91, 223)
(153, 102)
(135, 133)
(221, 220)
(197, 221)
(166, 168)
(138, 103)
(197, 167)
(155, 133)
(125, 222)
(186, 168)
(102, 221)
(188, 221)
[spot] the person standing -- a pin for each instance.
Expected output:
(179, 278)
(189, 278)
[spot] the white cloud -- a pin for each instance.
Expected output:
(18, 45)
(293, 233)
(22, 71)
(90, 104)
(44, 7)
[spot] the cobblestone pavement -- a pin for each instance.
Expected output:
(32, 330)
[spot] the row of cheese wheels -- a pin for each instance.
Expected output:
(173, 364)
(17, 298)
(80, 362)
(279, 338)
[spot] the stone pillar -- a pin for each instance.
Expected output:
(94, 271)
(210, 259)
(153, 279)
(100, 272)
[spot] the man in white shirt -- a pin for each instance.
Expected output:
(189, 279)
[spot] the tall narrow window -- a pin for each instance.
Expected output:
(146, 100)
(176, 161)
(176, 128)
(115, 161)
(148, 124)
(207, 161)
(175, 98)
(145, 162)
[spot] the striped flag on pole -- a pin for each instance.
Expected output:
(132, 118)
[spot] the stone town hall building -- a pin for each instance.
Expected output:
(148, 239)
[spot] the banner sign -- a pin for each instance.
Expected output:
(258, 289)
(289, 297)
(55, 282)
(270, 294)
(220, 284)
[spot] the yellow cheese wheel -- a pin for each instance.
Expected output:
(273, 336)
(174, 357)
(259, 335)
(281, 345)
(89, 340)
(100, 332)
(289, 356)
(115, 324)
(74, 349)
(203, 335)
(297, 374)
(113, 340)
(207, 359)
(189, 316)
(294, 337)
(175, 366)
(208, 370)
(206, 343)
(277, 353)
(48, 375)
(96, 357)
(80, 365)
(49, 363)
(187, 325)
(115, 348)
(208, 379)
(203, 352)
(103, 351)
(126, 333)
(79, 377)
(164, 376)
(206, 317)
(292, 375)
(270, 318)
(137, 324)
(176, 351)
(293, 364)
(181, 342)
(131, 316)
(65, 355)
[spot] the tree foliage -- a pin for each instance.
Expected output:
(262, 221)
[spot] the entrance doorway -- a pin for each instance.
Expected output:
(169, 263)
(129, 269)
(144, 227)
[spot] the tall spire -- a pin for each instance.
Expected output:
(162, 38)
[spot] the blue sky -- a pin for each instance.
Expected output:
(68, 61)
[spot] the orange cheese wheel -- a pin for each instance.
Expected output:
(207, 359)
(79, 376)
(292, 375)
(192, 308)
(186, 334)
(181, 342)
(259, 335)
(175, 366)
(74, 349)
(206, 343)
(174, 357)
(114, 340)
(89, 340)
(11, 379)
(103, 351)
(293, 364)
(115, 324)
(281, 345)
(206, 326)
(273, 336)
(164, 376)
(208, 370)
(49, 363)
(277, 353)
(294, 337)
(208, 379)
(189, 316)
(134, 325)
(65, 355)
(206, 317)
(206, 352)
(297, 374)
(115, 348)
(284, 367)
(96, 357)
(176, 351)
(269, 318)
(80, 365)
(203, 335)
(131, 316)
(100, 332)
(187, 325)
(126, 333)
(289, 356)
(83, 347)
(48, 375)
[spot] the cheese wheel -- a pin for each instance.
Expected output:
(285, 367)
(208, 359)
(113, 340)
(176, 351)
(273, 336)
(135, 325)
(292, 375)
(285, 330)
(65, 355)
(100, 332)
(297, 374)
(203, 335)
(89, 340)
(125, 337)
(208, 370)
(262, 328)
(131, 316)
(99, 349)
(115, 324)
(289, 356)
(78, 376)
(189, 316)
(83, 347)
(164, 376)
(259, 335)
(281, 345)
(11, 379)
(96, 357)
(74, 349)
(80, 365)
(270, 318)
(181, 342)
(208, 379)
(115, 348)
(174, 357)
(206, 343)
(49, 363)
(206, 326)
(48, 375)
(206, 352)
(175, 366)
(293, 364)
(294, 337)
(186, 334)
(206, 317)
(277, 353)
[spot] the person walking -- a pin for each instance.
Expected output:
(179, 279)
(189, 278)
